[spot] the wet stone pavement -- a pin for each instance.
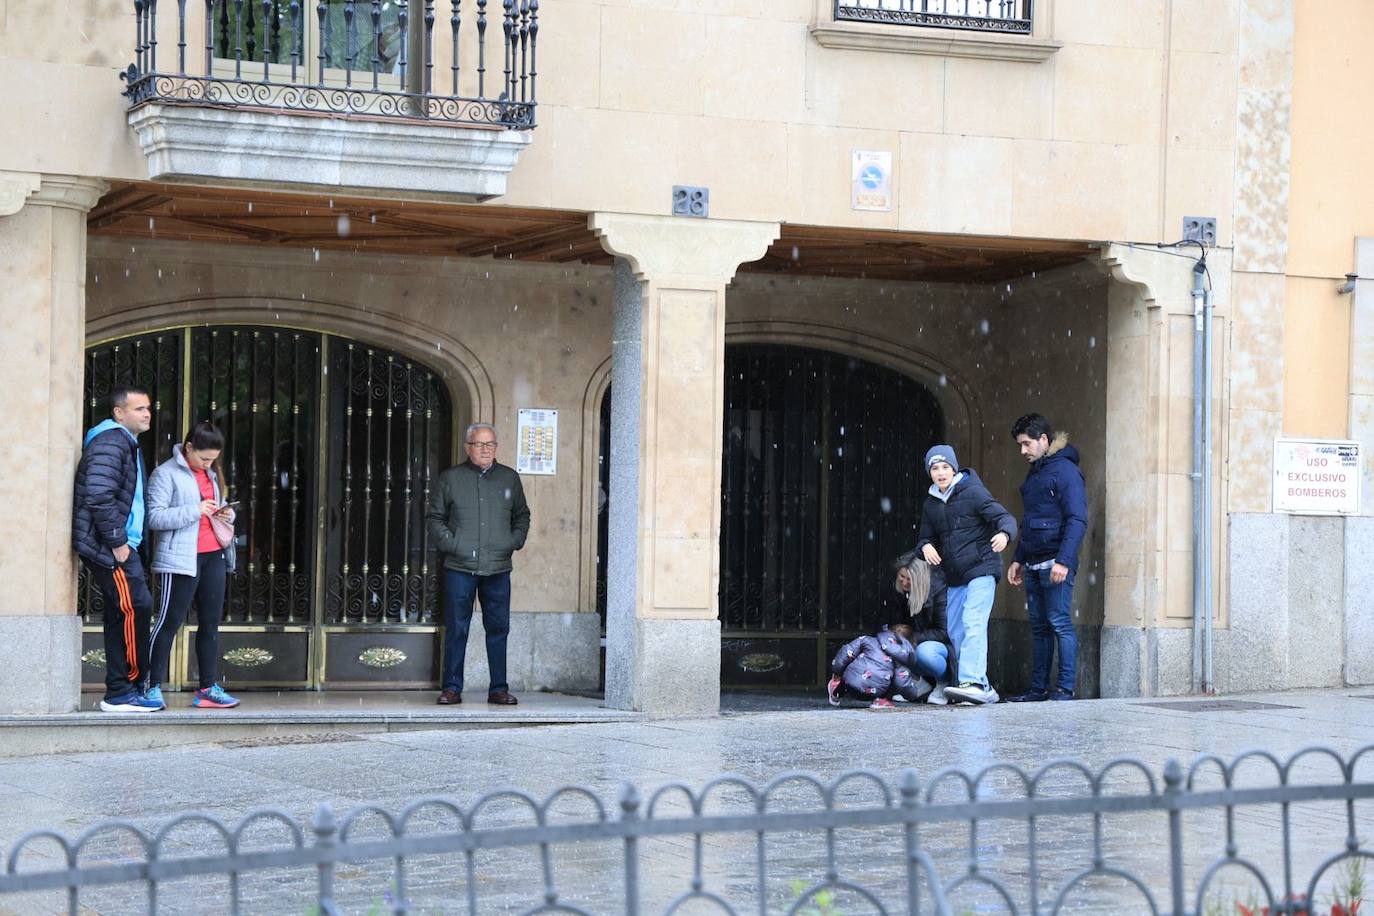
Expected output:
(758, 737)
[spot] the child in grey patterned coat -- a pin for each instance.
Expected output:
(877, 667)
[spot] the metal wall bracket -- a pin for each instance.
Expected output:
(1200, 229)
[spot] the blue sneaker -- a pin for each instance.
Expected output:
(132, 701)
(213, 698)
(154, 695)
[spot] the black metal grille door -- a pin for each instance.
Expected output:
(387, 432)
(389, 438)
(822, 488)
(260, 386)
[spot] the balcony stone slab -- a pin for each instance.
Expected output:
(394, 157)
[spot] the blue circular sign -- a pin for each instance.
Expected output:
(871, 177)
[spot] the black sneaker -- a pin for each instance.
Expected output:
(1062, 695)
(1030, 696)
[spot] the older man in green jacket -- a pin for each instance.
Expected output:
(477, 518)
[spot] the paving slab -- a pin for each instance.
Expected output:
(231, 776)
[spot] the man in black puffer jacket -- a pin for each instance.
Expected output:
(962, 530)
(107, 527)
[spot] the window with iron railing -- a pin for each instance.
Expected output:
(463, 61)
(1005, 16)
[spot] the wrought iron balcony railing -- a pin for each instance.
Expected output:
(353, 57)
(1007, 16)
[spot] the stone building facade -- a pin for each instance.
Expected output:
(344, 257)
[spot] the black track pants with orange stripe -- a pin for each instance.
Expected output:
(128, 615)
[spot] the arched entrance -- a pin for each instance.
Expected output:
(821, 489)
(331, 448)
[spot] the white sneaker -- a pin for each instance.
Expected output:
(133, 701)
(898, 698)
(973, 693)
(923, 687)
(937, 696)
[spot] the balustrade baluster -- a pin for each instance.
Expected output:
(350, 41)
(508, 47)
(152, 36)
(238, 39)
(376, 43)
(534, 46)
(296, 47)
(140, 59)
(322, 13)
(403, 36)
(269, 45)
(428, 86)
(454, 21)
(524, 47)
(481, 50)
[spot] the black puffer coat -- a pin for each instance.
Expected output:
(961, 528)
(106, 479)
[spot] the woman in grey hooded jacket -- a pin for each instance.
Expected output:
(184, 493)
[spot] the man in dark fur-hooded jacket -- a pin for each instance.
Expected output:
(963, 529)
(1052, 529)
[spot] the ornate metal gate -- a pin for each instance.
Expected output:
(335, 580)
(821, 489)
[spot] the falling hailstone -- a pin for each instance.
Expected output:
(983, 326)
(345, 225)
(943, 380)
(886, 505)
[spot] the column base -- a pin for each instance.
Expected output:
(40, 664)
(1358, 586)
(544, 651)
(673, 669)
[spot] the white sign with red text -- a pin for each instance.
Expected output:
(1317, 476)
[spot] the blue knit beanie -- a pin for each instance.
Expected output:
(943, 453)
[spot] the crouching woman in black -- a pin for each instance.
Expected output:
(934, 655)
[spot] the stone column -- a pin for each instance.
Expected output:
(1147, 628)
(43, 316)
(667, 377)
(1358, 662)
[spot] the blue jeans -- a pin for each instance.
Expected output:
(460, 589)
(968, 609)
(1050, 608)
(932, 659)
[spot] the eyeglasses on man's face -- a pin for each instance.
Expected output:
(491, 444)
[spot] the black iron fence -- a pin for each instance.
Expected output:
(462, 61)
(955, 843)
(1013, 16)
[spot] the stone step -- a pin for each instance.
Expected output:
(286, 717)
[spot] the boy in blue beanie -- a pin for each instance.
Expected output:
(962, 530)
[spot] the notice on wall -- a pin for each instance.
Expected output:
(1317, 476)
(536, 446)
(871, 180)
